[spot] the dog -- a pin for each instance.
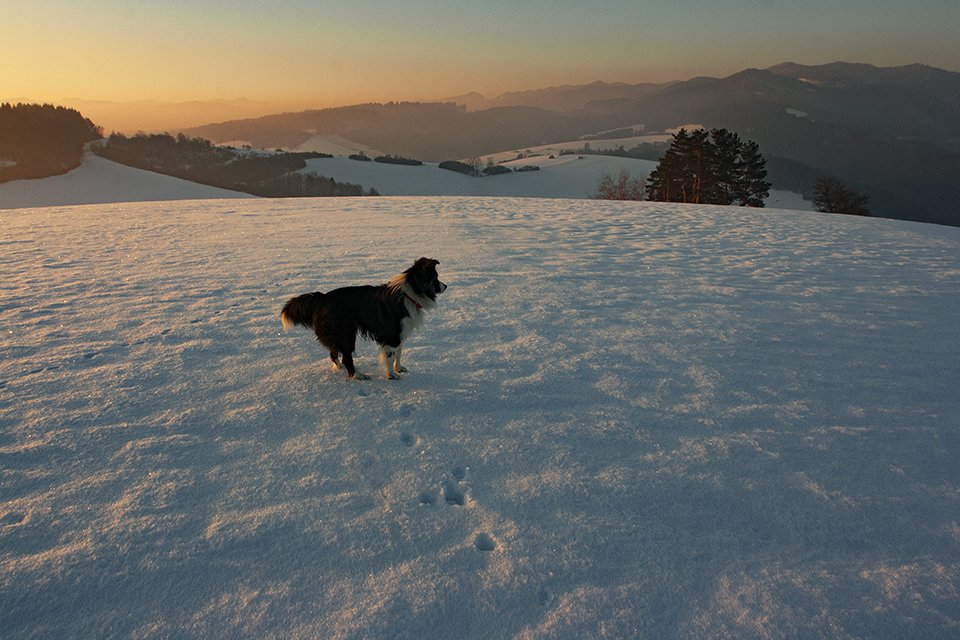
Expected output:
(385, 313)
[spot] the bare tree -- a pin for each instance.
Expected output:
(619, 187)
(832, 196)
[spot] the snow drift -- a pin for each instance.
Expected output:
(622, 420)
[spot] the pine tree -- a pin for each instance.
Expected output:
(684, 173)
(666, 183)
(700, 168)
(752, 186)
(727, 166)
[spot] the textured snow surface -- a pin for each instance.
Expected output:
(622, 420)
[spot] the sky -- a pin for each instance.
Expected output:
(302, 53)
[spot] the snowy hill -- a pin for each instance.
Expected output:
(101, 181)
(623, 420)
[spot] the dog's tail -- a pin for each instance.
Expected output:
(300, 310)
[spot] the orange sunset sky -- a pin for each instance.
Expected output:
(301, 54)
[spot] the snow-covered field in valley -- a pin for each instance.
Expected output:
(98, 180)
(623, 420)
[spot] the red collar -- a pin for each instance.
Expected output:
(415, 303)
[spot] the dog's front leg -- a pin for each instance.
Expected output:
(387, 353)
(396, 361)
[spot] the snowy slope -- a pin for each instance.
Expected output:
(622, 420)
(99, 181)
(560, 177)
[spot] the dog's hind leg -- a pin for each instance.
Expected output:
(351, 371)
(335, 357)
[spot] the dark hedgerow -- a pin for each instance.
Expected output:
(496, 170)
(398, 160)
(459, 167)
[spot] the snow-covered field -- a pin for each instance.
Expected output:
(101, 181)
(623, 420)
(559, 177)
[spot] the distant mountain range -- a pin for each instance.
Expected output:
(893, 133)
(563, 98)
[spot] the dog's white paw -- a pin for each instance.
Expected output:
(400, 369)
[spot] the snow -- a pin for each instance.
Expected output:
(567, 176)
(98, 181)
(561, 177)
(574, 146)
(621, 420)
(336, 145)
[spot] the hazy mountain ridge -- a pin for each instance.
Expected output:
(560, 98)
(430, 132)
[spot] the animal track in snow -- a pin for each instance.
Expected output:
(12, 518)
(485, 542)
(453, 494)
(544, 597)
(408, 439)
(451, 489)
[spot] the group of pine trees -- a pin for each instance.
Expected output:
(710, 167)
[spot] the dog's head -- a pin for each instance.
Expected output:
(423, 279)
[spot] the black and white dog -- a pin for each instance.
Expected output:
(386, 313)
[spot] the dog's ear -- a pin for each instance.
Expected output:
(426, 263)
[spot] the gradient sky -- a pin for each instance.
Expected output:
(301, 53)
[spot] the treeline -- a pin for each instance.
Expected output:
(274, 175)
(37, 141)
(642, 151)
